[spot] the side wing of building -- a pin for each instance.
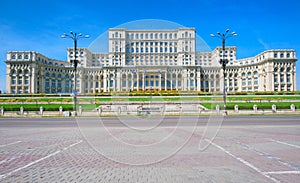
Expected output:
(151, 60)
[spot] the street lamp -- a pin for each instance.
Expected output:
(74, 36)
(223, 61)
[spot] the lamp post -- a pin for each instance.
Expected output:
(223, 61)
(74, 36)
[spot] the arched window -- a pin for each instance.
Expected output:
(13, 57)
(20, 72)
(275, 69)
(19, 56)
(53, 75)
(26, 56)
(282, 69)
(281, 55)
(288, 69)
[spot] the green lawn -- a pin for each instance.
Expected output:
(91, 102)
(248, 105)
(47, 107)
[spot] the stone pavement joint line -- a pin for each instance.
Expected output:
(282, 172)
(244, 162)
(284, 143)
(3, 176)
(10, 144)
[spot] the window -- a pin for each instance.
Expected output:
(281, 78)
(288, 78)
(281, 55)
(275, 78)
(275, 55)
(13, 80)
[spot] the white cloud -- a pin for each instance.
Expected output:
(265, 45)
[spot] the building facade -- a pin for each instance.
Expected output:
(151, 60)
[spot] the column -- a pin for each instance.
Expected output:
(118, 80)
(8, 78)
(293, 78)
(137, 80)
(184, 84)
(166, 78)
(176, 81)
(171, 81)
(105, 80)
(143, 82)
(159, 81)
(199, 80)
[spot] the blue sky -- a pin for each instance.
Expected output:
(37, 25)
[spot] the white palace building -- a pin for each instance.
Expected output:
(150, 60)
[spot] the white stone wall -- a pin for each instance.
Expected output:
(151, 59)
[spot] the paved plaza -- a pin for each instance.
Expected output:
(151, 149)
